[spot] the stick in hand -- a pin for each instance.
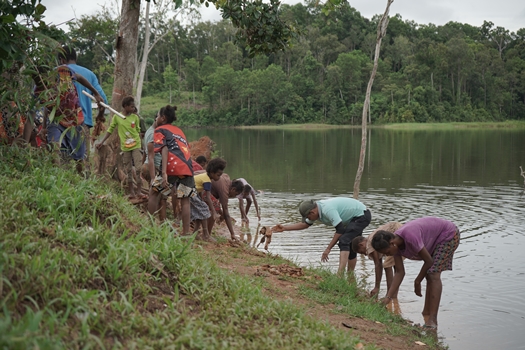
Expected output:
(104, 105)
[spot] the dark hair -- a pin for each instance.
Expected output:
(382, 240)
(127, 101)
(201, 159)
(169, 112)
(237, 186)
(356, 242)
(68, 53)
(246, 189)
(215, 165)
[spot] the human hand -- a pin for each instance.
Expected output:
(99, 99)
(417, 288)
(216, 217)
(324, 257)
(374, 292)
(98, 145)
(278, 228)
(259, 217)
(245, 219)
(165, 183)
(234, 238)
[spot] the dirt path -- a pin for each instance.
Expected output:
(285, 280)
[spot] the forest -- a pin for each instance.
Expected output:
(427, 73)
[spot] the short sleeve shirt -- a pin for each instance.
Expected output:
(425, 232)
(202, 182)
(244, 183)
(333, 211)
(148, 138)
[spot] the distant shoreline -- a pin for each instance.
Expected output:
(518, 125)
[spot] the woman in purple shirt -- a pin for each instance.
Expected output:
(430, 239)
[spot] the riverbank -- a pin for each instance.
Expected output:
(511, 125)
(83, 268)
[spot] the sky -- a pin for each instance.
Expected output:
(509, 14)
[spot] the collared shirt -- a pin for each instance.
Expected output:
(333, 211)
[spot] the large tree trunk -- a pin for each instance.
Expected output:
(381, 31)
(126, 56)
(144, 62)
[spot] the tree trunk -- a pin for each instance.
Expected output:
(126, 55)
(381, 31)
(144, 62)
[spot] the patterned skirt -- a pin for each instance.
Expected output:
(443, 254)
(199, 209)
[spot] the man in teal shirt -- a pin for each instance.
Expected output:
(349, 217)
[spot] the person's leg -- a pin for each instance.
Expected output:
(162, 211)
(137, 161)
(128, 168)
(389, 274)
(76, 146)
(343, 261)
(185, 213)
(211, 222)
(54, 131)
(248, 205)
(154, 199)
(432, 298)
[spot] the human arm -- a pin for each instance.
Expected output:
(164, 165)
(291, 227)
(224, 205)
(108, 134)
(244, 217)
(207, 200)
(428, 262)
(256, 207)
(88, 85)
(398, 278)
(335, 239)
(378, 264)
(151, 160)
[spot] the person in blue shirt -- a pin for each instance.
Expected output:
(68, 56)
(349, 217)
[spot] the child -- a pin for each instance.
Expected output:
(347, 215)
(246, 193)
(130, 144)
(176, 166)
(362, 245)
(202, 207)
(430, 239)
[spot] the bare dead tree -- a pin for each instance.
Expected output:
(523, 174)
(381, 32)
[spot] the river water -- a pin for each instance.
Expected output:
(470, 177)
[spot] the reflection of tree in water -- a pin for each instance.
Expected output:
(523, 174)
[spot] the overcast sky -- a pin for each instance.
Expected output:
(509, 14)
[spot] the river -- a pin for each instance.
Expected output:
(470, 177)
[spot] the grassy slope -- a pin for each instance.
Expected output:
(81, 268)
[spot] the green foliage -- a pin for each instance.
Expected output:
(80, 269)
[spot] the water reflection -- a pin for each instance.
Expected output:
(469, 177)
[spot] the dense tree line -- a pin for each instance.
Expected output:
(427, 73)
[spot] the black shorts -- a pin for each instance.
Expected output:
(185, 187)
(351, 230)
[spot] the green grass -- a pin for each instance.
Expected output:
(80, 269)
